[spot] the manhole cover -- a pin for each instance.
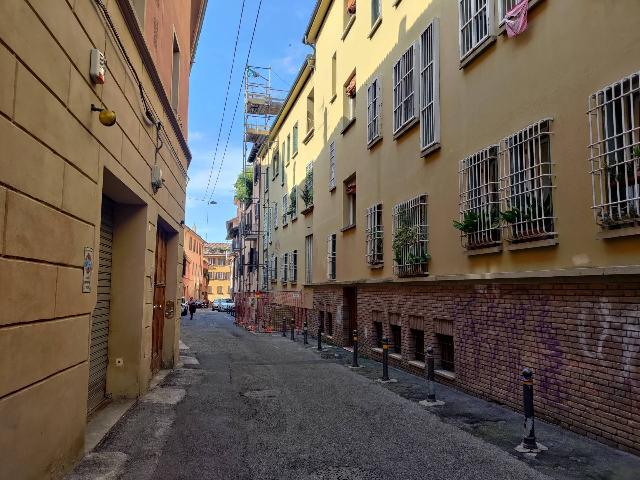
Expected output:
(261, 394)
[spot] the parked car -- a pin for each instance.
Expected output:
(223, 305)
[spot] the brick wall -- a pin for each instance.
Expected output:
(581, 338)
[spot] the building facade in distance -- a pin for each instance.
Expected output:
(92, 209)
(219, 261)
(194, 276)
(470, 191)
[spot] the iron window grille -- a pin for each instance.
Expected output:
(307, 189)
(374, 235)
(284, 270)
(527, 184)
(293, 202)
(374, 111)
(404, 83)
(396, 338)
(614, 153)
(430, 86)
(285, 209)
(475, 22)
(447, 353)
(293, 266)
(480, 199)
(332, 165)
(410, 237)
(308, 260)
(331, 257)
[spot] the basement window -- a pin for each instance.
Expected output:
(396, 338)
(417, 343)
(329, 323)
(378, 335)
(445, 345)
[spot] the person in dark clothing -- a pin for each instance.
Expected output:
(192, 307)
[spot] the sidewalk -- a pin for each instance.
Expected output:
(570, 456)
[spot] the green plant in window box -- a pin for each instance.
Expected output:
(470, 223)
(307, 190)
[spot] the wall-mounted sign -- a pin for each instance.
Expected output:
(87, 269)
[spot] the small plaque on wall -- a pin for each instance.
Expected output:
(87, 269)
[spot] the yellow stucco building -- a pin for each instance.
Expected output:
(436, 182)
(219, 260)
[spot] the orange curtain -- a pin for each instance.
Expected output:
(351, 6)
(350, 90)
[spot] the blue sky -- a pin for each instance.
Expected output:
(277, 44)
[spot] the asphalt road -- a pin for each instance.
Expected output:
(263, 407)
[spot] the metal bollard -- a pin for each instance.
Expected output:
(431, 376)
(529, 437)
(293, 330)
(354, 363)
(305, 333)
(385, 359)
(319, 338)
(284, 328)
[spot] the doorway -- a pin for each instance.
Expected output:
(159, 293)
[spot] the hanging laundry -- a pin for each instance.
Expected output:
(516, 19)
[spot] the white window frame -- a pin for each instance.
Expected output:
(293, 266)
(374, 111)
(412, 213)
(527, 183)
(614, 126)
(405, 89)
(331, 256)
(308, 259)
(479, 31)
(374, 235)
(332, 165)
(430, 87)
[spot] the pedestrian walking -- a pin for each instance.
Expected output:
(192, 307)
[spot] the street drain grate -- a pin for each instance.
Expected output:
(260, 394)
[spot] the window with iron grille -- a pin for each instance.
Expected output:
(430, 87)
(404, 85)
(396, 338)
(308, 259)
(307, 188)
(410, 237)
(374, 111)
(480, 199)
(374, 235)
(293, 266)
(331, 257)
(417, 344)
(447, 357)
(284, 271)
(475, 23)
(527, 184)
(378, 335)
(293, 202)
(332, 165)
(614, 150)
(285, 209)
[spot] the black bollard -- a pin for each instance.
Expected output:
(305, 333)
(529, 437)
(319, 338)
(385, 359)
(431, 376)
(284, 328)
(354, 363)
(293, 330)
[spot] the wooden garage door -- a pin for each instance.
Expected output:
(98, 351)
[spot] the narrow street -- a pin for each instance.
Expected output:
(260, 407)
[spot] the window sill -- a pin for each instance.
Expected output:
(309, 136)
(605, 234)
(295, 154)
(502, 30)
(375, 266)
(285, 225)
(405, 128)
(376, 349)
(396, 356)
(348, 227)
(347, 29)
(417, 363)
(429, 150)
(483, 251)
(333, 99)
(477, 51)
(374, 142)
(307, 210)
(549, 242)
(375, 27)
(348, 125)
(397, 2)
(294, 219)
(445, 374)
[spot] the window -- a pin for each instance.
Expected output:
(334, 76)
(374, 111)
(285, 209)
(479, 199)
(285, 268)
(378, 335)
(410, 237)
(289, 147)
(527, 183)
(310, 110)
(475, 18)
(430, 87)
(349, 217)
(275, 160)
(307, 188)
(282, 165)
(219, 290)
(331, 257)
(293, 266)
(175, 74)
(614, 120)
(273, 268)
(293, 202)
(295, 139)
(417, 344)
(308, 259)
(275, 215)
(404, 82)
(506, 6)
(374, 235)
(349, 105)
(445, 345)
(329, 323)
(396, 338)
(266, 182)
(375, 11)
(332, 165)
(349, 14)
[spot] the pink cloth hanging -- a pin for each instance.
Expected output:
(516, 19)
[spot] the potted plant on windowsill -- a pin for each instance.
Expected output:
(472, 229)
(307, 194)
(406, 244)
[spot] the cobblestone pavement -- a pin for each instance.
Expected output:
(246, 406)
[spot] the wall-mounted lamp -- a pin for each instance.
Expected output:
(107, 117)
